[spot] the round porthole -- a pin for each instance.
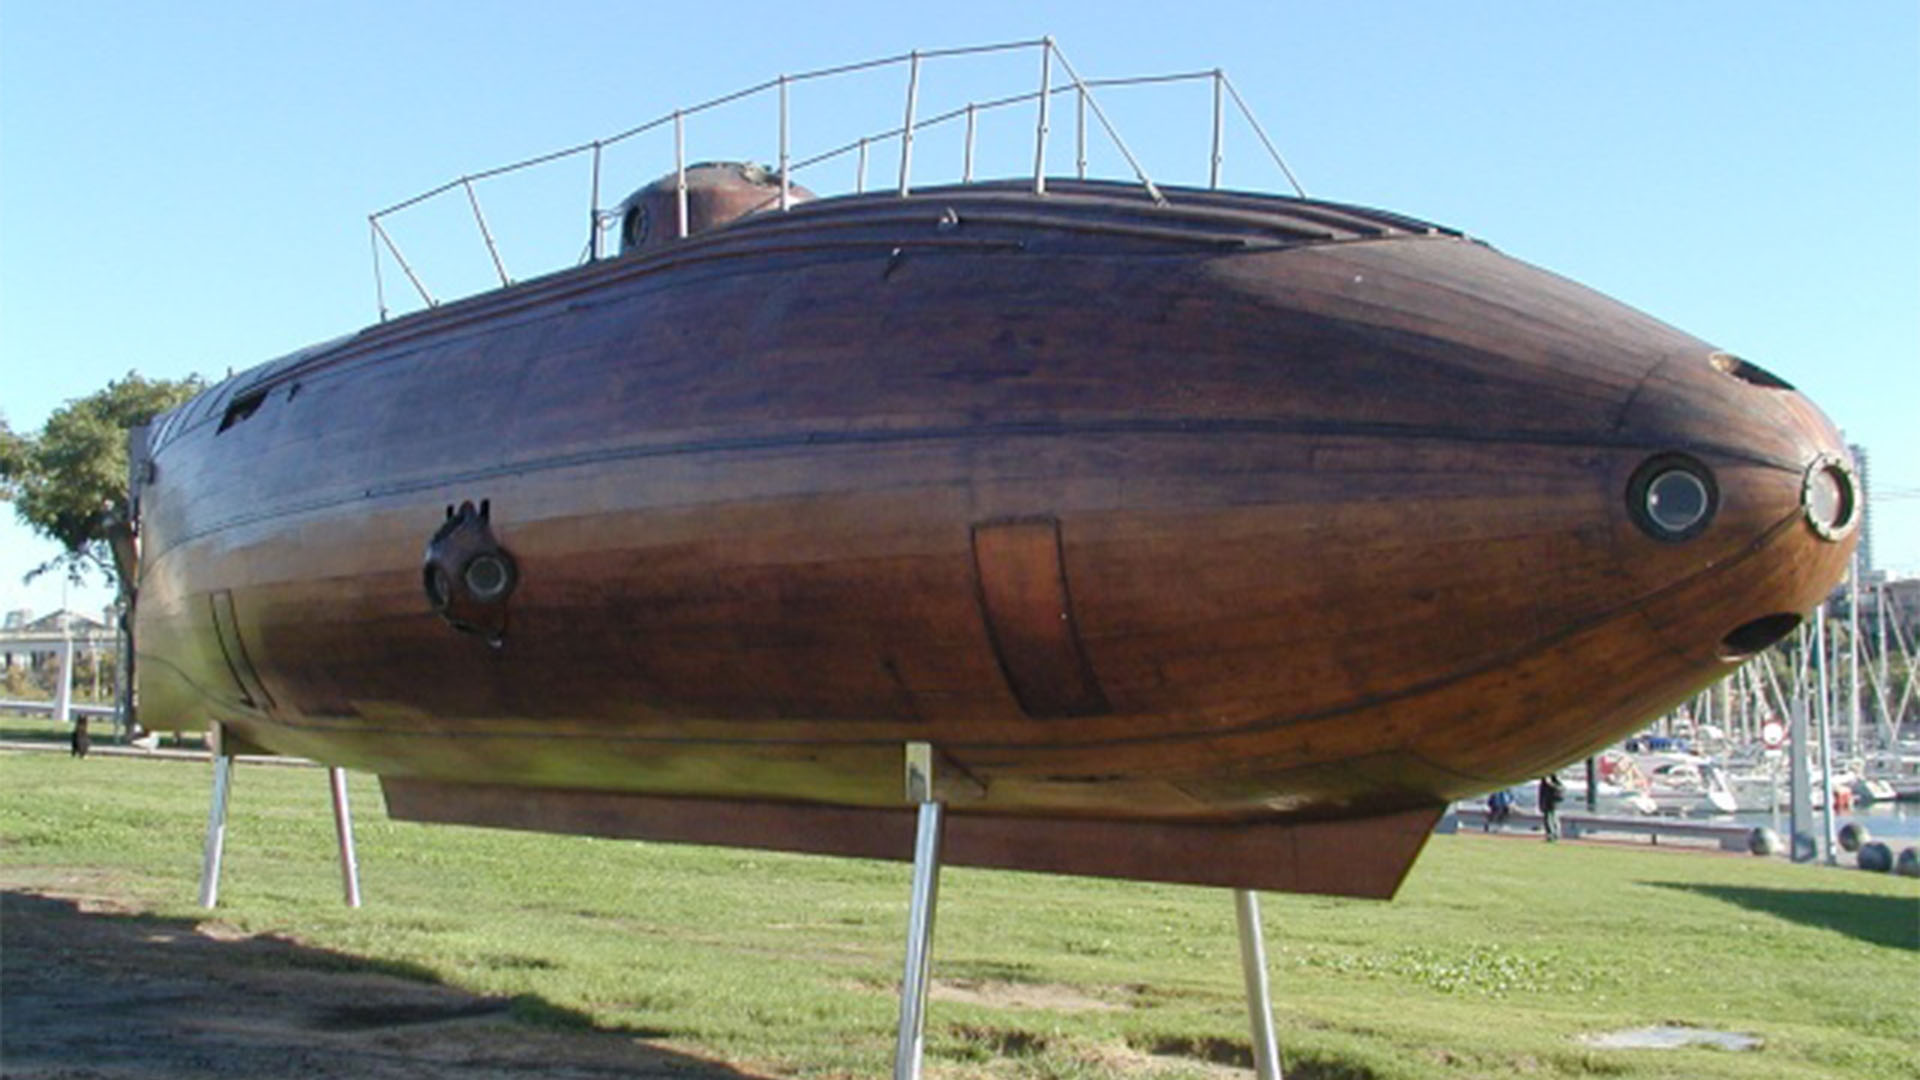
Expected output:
(488, 577)
(1830, 498)
(1672, 497)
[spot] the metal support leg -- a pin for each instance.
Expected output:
(1253, 965)
(911, 1043)
(63, 691)
(343, 830)
(216, 830)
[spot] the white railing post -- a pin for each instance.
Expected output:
(1219, 129)
(680, 174)
(485, 233)
(1080, 133)
(1040, 136)
(966, 161)
(786, 185)
(593, 211)
(906, 130)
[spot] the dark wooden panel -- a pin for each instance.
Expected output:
(1029, 615)
(226, 629)
(1340, 858)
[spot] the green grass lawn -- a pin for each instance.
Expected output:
(1497, 955)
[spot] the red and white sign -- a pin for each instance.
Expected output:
(1773, 733)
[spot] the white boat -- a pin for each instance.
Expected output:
(1620, 792)
(1687, 784)
(1894, 771)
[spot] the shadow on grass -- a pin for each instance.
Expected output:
(143, 995)
(1892, 921)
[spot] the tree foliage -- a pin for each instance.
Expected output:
(69, 483)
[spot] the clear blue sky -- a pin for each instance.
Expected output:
(184, 188)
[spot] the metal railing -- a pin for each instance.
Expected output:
(1049, 54)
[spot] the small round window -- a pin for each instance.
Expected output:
(1830, 496)
(1672, 497)
(488, 577)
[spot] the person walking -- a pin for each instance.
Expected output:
(1499, 806)
(1552, 793)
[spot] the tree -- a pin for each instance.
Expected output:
(69, 483)
(13, 459)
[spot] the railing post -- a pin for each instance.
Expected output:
(680, 173)
(485, 233)
(1040, 137)
(593, 211)
(402, 260)
(1219, 128)
(1254, 123)
(906, 130)
(786, 185)
(1080, 133)
(379, 288)
(966, 161)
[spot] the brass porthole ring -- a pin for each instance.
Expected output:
(1830, 497)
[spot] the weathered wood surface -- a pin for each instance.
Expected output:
(1338, 507)
(1366, 858)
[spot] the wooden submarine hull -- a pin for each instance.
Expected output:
(1244, 517)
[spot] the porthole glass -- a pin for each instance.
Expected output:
(1672, 497)
(1676, 500)
(487, 577)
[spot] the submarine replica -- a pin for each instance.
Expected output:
(1190, 535)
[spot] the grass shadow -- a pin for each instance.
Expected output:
(1891, 921)
(109, 990)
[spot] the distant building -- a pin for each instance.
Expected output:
(70, 621)
(26, 640)
(1863, 476)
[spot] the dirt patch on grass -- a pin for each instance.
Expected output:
(95, 989)
(1019, 995)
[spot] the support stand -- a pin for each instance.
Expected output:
(910, 1046)
(343, 832)
(225, 747)
(216, 827)
(1253, 965)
